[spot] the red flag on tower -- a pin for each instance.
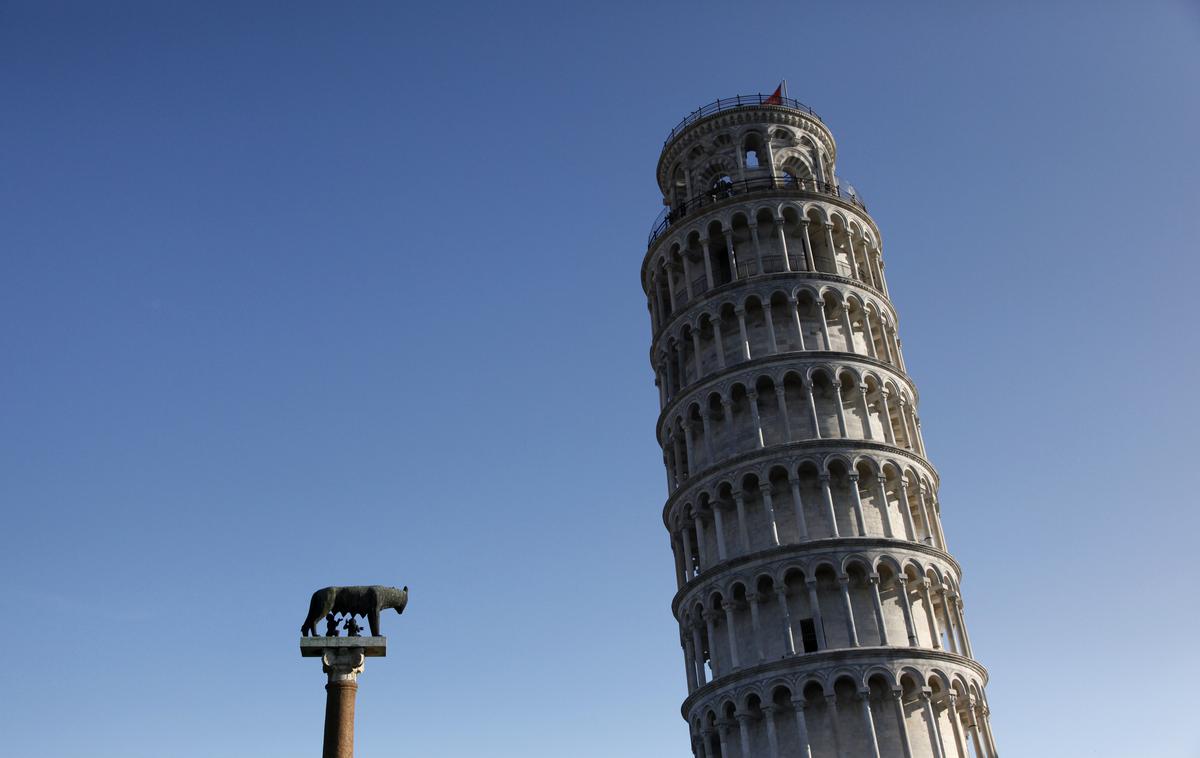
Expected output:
(776, 97)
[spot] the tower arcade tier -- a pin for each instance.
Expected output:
(819, 609)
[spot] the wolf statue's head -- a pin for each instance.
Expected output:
(398, 599)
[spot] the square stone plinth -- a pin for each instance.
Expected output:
(371, 647)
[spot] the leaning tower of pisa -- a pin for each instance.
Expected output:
(819, 607)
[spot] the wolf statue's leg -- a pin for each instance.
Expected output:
(373, 620)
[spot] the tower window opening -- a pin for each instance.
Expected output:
(808, 635)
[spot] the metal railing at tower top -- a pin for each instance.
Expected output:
(738, 101)
(725, 190)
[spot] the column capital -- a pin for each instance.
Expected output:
(343, 665)
(769, 709)
(873, 578)
(729, 606)
(764, 487)
(754, 597)
(852, 476)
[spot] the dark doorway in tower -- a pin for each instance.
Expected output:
(808, 635)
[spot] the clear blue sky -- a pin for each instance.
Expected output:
(293, 295)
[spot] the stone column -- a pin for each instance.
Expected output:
(732, 254)
(798, 706)
(343, 667)
(739, 500)
(723, 735)
(906, 606)
(951, 638)
(849, 329)
(824, 323)
(902, 721)
(706, 736)
(719, 526)
(798, 505)
(689, 563)
(731, 633)
(688, 445)
(707, 431)
(772, 343)
(870, 336)
(851, 630)
(906, 510)
(858, 509)
(812, 408)
(702, 558)
(832, 249)
(697, 362)
(689, 662)
(962, 625)
(878, 601)
(814, 603)
(687, 276)
(836, 383)
(929, 527)
(831, 709)
(677, 552)
(888, 430)
(764, 489)
(887, 345)
(743, 720)
(787, 264)
(973, 730)
(794, 307)
(781, 401)
(933, 625)
(864, 698)
(708, 274)
(808, 253)
(881, 482)
(853, 262)
(956, 723)
(788, 638)
(866, 409)
(709, 617)
(752, 401)
(985, 714)
(768, 710)
(935, 732)
(757, 248)
(754, 599)
(829, 503)
(698, 647)
(740, 312)
(719, 340)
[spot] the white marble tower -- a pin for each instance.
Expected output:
(819, 608)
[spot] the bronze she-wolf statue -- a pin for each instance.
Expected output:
(356, 601)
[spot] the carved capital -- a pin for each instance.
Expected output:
(343, 665)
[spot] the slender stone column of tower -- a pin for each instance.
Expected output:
(819, 609)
